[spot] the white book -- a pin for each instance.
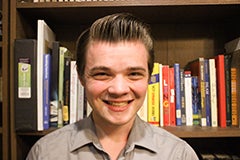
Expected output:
(45, 37)
(161, 95)
(143, 111)
(73, 92)
(188, 98)
(213, 93)
(80, 100)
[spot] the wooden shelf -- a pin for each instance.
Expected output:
(152, 11)
(180, 131)
(1, 130)
(204, 132)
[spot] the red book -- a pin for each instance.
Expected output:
(172, 97)
(166, 94)
(221, 90)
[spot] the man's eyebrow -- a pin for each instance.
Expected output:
(137, 69)
(99, 68)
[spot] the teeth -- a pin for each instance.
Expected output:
(118, 104)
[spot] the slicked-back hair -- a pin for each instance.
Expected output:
(120, 27)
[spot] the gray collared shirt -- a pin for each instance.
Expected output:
(78, 141)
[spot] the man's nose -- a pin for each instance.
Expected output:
(119, 86)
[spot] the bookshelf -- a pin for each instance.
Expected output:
(184, 30)
(4, 63)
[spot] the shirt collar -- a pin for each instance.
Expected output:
(85, 133)
(141, 136)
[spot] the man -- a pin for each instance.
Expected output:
(114, 63)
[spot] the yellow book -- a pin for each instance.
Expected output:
(153, 97)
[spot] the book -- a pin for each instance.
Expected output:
(160, 95)
(221, 90)
(182, 94)
(45, 37)
(172, 98)
(46, 90)
(64, 54)
(54, 103)
(227, 62)
(213, 92)
(25, 84)
(81, 101)
(236, 111)
(66, 89)
(143, 111)
(207, 92)
(153, 97)
(166, 95)
(188, 97)
(196, 104)
(197, 69)
(177, 93)
(73, 92)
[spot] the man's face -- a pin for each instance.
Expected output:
(116, 80)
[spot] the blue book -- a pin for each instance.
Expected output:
(46, 90)
(207, 92)
(177, 94)
(196, 104)
(183, 110)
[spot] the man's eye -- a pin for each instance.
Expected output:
(136, 75)
(100, 75)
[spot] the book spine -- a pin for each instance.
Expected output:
(227, 62)
(153, 97)
(54, 85)
(172, 97)
(177, 93)
(207, 92)
(221, 90)
(81, 102)
(213, 93)
(66, 90)
(25, 86)
(166, 102)
(196, 101)
(234, 97)
(183, 111)
(46, 90)
(161, 95)
(73, 92)
(202, 92)
(188, 97)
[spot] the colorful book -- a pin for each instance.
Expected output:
(153, 97)
(221, 90)
(196, 105)
(177, 93)
(25, 84)
(46, 90)
(166, 95)
(172, 98)
(207, 92)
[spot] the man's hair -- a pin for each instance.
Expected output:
(115, 28)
